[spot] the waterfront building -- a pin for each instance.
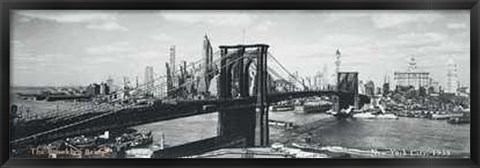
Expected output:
(452, 77)
(110, 83)
(412, 77)
(93, 89)
(434, 87)
(386, 89)
(319, 81)
(103, 88)
(126, 87)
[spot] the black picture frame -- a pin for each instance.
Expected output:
(8, 5)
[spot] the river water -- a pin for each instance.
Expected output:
(325, 130)
(404, 133)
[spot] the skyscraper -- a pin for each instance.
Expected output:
(208, 58)
(149, 81)
(412, 64)
(452, 76)
(172, 60)
(110, 83)
(173, 66)
(411, 77)
(338, 55)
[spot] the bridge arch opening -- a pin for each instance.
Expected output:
(236, 81)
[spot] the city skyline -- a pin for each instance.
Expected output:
(82, 47)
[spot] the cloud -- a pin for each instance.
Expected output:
(107, 26)
(420, 39)
(411, 41)
(457, 25)
(264, 26)
(115, 48)
(389, 20)
(162, 37)
(212, 18)
(335, 16)
(93, 20)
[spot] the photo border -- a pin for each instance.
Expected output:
(8, 5)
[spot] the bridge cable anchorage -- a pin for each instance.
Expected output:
(95, 117)
(285, 69)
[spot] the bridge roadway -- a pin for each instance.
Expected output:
(160, 111)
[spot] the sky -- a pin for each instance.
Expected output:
(79, 47)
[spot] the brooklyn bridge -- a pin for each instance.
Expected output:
(244, 96)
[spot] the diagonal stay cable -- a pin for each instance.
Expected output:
(288, 72)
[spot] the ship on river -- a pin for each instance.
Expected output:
(317, 105)
(463, 119)
(283, 106)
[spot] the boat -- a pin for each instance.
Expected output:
(282, 106)
(344, 113)
(139, 153)
(364, 115)
(82, 141)
(136, 139)
(387, 116)
(464, 119)
(445, 116)
(281, 124)
(459, 120)
(317, 106)
(368, 115)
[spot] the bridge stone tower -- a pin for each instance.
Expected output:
(251, 122)
(347, 82)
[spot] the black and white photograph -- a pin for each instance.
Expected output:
(193, 84)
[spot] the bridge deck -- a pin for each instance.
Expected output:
(154, 113)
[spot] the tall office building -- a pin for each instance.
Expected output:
(172, 60)
(338, 55)
(412, 64)
(412, 77)
(208, 58)
(452, 76)
(110, 83)
(149, 81)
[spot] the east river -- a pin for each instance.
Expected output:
(326, 130)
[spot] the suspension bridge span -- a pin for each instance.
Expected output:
(242, 105)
